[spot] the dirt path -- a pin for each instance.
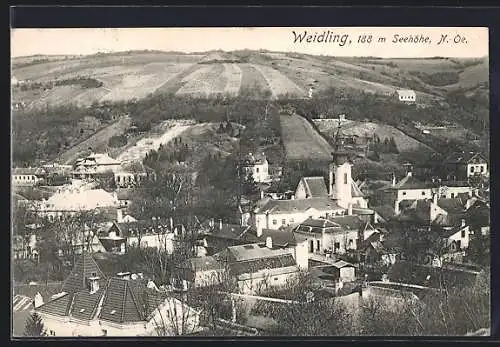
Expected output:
(97, 141)
(171, 129)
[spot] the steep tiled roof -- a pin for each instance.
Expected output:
(315, 187)
(255, 265)
(254, 159)
(385, 211)
(59, 306)
(410, 182)
(28, 171)
(85, 266)
(451, 205)
(85, 304)
(201, 264)
(279, 238)
(297, 206)
(120, 304)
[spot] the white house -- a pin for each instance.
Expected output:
(27, 176)
(406, 96)
(257, 165)
(95, 164)
(258, 267)
(131, 174)
(467, 164)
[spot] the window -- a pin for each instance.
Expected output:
(336, 246)
(275, 278)
(283, 222)
(472, 169)
(345, 178)
(257, 169)
(463, 233)
(318, 245)
(275, 222)
(423, 193)
(452, 195)
(104, 332)
(404, 193)
(482, 168)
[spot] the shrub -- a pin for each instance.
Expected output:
(117, 141)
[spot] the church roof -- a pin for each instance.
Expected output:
(315, 186)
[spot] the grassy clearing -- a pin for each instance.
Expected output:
(302, 141)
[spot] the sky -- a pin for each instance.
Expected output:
(473, 42)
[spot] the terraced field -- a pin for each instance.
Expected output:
(137, 74)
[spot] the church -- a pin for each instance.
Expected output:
(313, 198)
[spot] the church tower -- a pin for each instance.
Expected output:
(340, 179)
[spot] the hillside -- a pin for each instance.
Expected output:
(124, 76)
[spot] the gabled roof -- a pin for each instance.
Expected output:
(465, 157)
(385, 211)
(59, 306)
(451, 205)
(280, 238)
(410, 182)
(407, 92)
(128, 301)
(332, 224)
(85, 267)
(28, 171)
(315, 186)
(248, 252)
(298, 205)
(340, 264)
(254, 159)
(255, 265)
(201, 264)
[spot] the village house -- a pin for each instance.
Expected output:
(201, 272)
(160, 234)
(334, 235)
(71, 201)
(466, 165)
(219, 237)
(377, 249)
(257, 166)
(259, 267)
(94, 165)
(28, 176)
(131, 174)
(406, 96)
(90, 304)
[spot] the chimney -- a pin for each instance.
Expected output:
(462, 223)
(262, 194)
(330, 180)
(292, 197)
(220, 224)
(409, 174)
(38, 301)
(349, 209)
(269, 242)
(212, 223)
(123, 275)
(393, 180)
(435, 198)
(119, 215)
(93, 283)
(396, 207)
(171, 224)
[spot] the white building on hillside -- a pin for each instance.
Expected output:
(95, 164)
(406, 96)
(257, 166)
